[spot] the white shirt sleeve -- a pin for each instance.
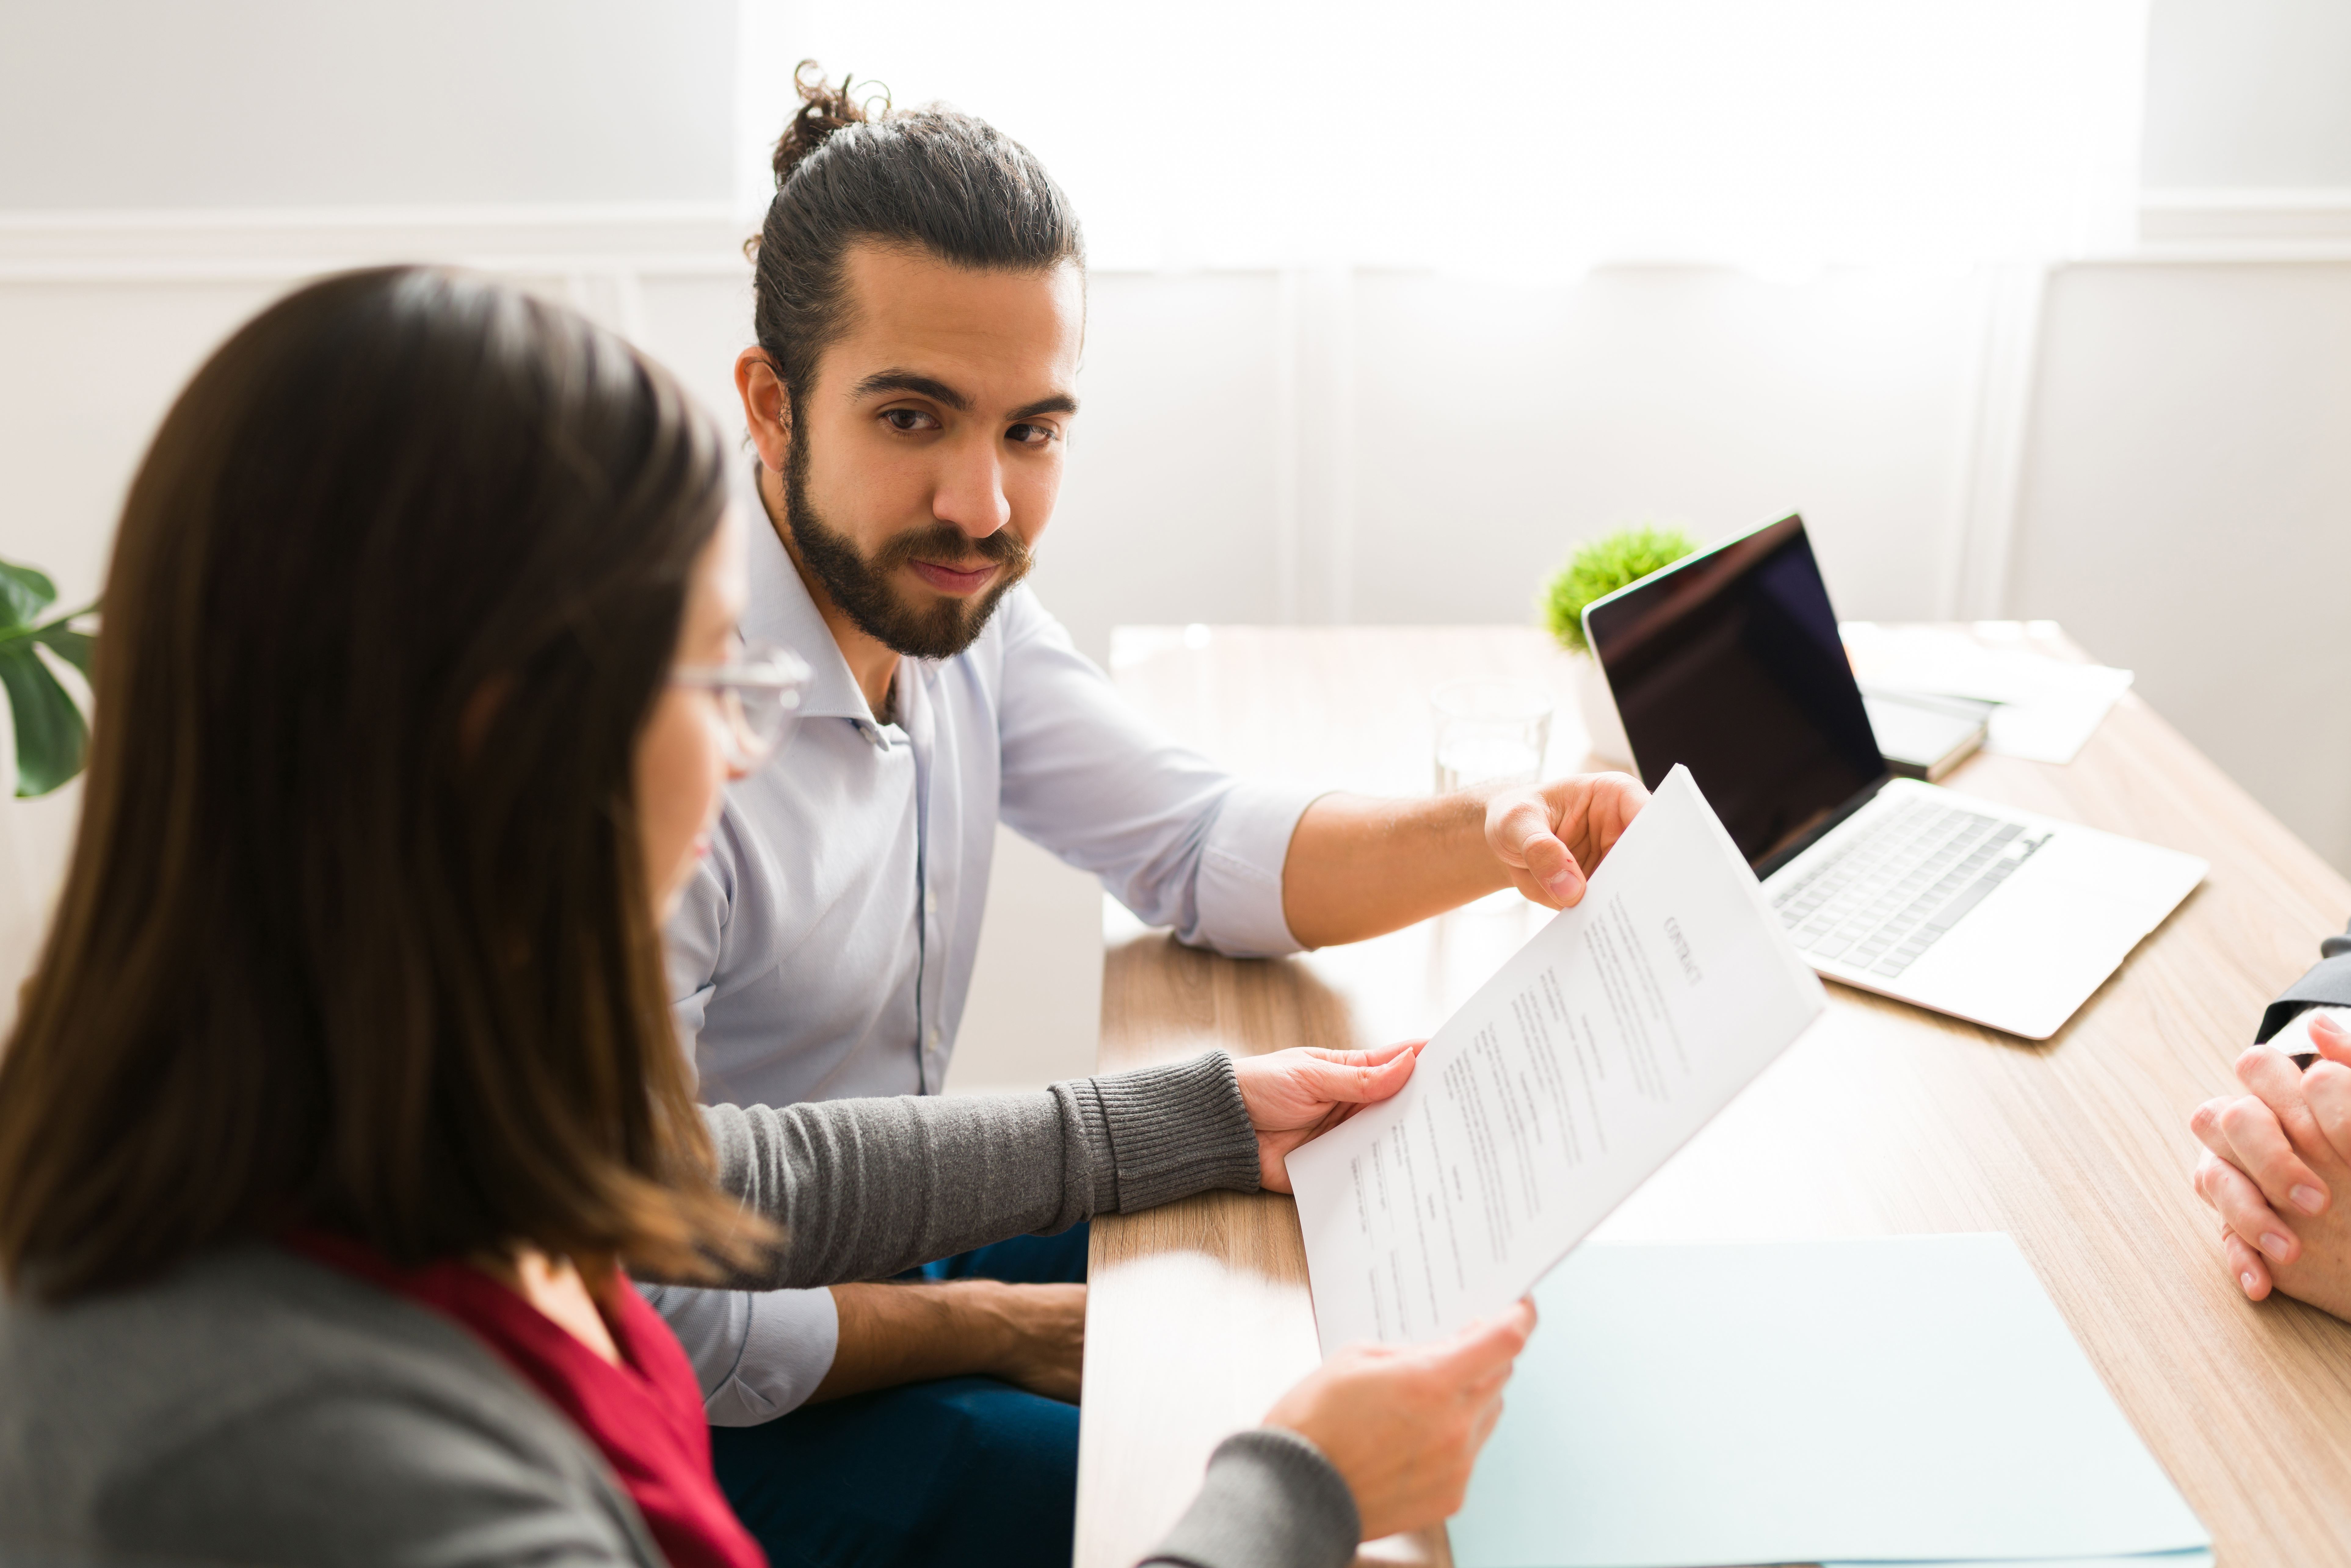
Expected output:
(691, 939)
(1179, 842)
(758, 1353)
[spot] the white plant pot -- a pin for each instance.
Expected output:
(1601, 723)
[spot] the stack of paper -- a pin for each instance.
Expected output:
(2047, 708)
(1899, 1399)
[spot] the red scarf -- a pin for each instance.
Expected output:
(645, 1414)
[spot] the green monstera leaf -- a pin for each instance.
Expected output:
(51, 734)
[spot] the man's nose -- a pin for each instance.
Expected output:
(971, 492)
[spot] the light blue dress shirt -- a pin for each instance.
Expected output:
(824, 948)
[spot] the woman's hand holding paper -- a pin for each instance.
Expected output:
(1402, 1423)
(1294, 1095)
(2280, 1152)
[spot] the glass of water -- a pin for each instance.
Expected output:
(1491, 732)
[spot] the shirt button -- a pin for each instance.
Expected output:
(935, 1037)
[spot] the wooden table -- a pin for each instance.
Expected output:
(1884, 1119)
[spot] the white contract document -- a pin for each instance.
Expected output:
(1588, 1059)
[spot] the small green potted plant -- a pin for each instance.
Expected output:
(1597, 569)
(51, 734)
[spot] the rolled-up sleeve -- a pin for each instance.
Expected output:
(1237, 880)
(1178, 841)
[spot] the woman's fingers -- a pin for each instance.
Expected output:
(1293, 1092)
(1489, 1346)
(1351, 1082)
(2249, 1137)
(2271, 1075)
(2326, 1090)
(1372, 1058)
(2205, 1123)
(2331, 1039)
(2239, 1201)
(1487, 1417)
(2250, 1270)
(1489, 1388)
(2255, 1147)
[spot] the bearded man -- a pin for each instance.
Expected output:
(919, 305)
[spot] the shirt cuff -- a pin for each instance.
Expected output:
(1272, 1501)
(757, 1353)
(1239, 887)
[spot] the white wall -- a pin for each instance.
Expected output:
(1496, 426)
(271, 103)
(87, 371)
(2145, 452)
(1255, 447)
(1404, 448)
(2248, 93)
(2187, 509)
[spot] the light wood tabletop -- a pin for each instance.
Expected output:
(1883, 1119)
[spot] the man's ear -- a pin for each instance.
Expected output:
(767, 406)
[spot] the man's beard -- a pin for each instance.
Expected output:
(862, 586)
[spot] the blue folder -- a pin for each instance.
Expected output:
(1903, 1399)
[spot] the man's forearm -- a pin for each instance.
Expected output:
(1033, 1335)
(1361, 865)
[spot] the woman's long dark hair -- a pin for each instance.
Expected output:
(357, 931)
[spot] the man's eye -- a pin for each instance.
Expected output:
(909, 418)
(1032, 434)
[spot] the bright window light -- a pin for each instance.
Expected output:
(1526, 139)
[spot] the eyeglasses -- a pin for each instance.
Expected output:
(757, 695)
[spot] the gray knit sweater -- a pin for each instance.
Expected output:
(258, 1408)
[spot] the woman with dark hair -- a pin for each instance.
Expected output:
(345, 1092)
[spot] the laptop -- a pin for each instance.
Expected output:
(1729, 662)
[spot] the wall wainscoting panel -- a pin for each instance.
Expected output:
(2244, 218)
(1374, 446)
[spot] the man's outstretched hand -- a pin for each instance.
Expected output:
(1361, 865)
(1550, 837)
(1292, 1095)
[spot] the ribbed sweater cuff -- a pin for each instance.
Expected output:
(1169, 1132)
(1272, 1501)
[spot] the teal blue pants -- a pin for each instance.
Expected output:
(966, 1471)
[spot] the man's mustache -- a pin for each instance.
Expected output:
(946, 542)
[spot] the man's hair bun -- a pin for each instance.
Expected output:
(930, 180)
(825, 109)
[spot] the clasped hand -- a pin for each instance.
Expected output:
(2282, 1150)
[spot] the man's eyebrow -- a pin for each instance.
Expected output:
(909, 381)
(939, 391)
(1060, 403)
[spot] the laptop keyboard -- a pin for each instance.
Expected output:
(1894, 888)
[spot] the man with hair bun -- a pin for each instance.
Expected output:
(919, 290)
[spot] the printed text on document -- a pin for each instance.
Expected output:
(1587, 1060)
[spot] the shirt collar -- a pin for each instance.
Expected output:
(778, 609)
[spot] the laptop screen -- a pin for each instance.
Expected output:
(1729, 662)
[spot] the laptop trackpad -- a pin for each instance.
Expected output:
(2036, 947)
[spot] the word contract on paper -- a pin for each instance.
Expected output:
(1595, 1052)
